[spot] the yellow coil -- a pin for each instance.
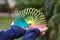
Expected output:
(32, 16)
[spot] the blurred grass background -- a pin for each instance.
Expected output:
(5, 22)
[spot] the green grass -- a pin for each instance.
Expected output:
(5, 23)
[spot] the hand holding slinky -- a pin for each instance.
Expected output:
(42, 28)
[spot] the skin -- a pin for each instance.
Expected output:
(43, 28)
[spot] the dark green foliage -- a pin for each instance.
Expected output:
(21, 4)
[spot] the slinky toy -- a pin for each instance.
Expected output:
(30, 16)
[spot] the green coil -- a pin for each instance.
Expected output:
(31, 16)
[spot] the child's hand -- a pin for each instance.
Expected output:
(42, 28)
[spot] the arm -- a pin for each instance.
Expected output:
(31, 34)
(12, 33)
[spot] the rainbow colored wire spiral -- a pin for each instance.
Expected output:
(31, 16)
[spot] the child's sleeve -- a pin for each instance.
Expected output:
(31, 34)
(12, 33)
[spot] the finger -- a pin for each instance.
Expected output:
(43, 33)
(43, 29)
